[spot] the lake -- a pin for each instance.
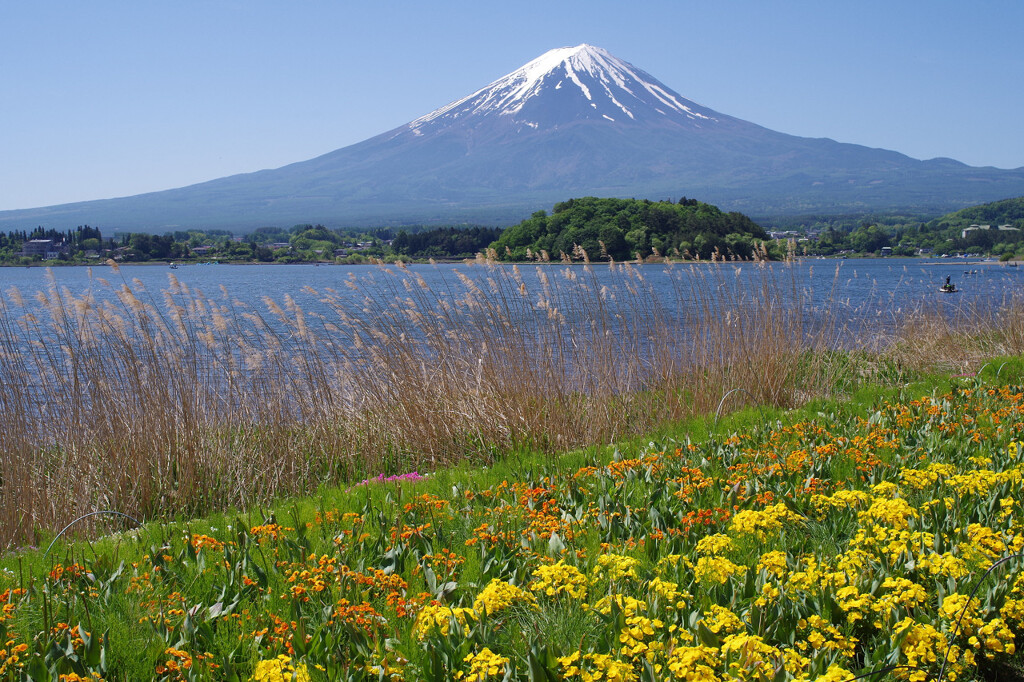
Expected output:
(856, 289)
(236, 334)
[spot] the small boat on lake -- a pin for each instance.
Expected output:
(948, 287)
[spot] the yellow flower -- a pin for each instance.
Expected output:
(1013, 611)
(558, 579)
(712, 545)
(773, 562)
(835, 673)
(615, 567)
(594, 667)
(841, 499)
(996, 638)
(637, 638)
(901, 593)
(885, 489)
(693, 663)
(715, 569)
(983, 544)
(943, 565)
(721, 620)
(922, 647)
(500, 595)
(436, 618)
(748, 657)
(483, 665)
(761, 523)
(975, 483)
(280, 669)
(819, 634)
(894, 512)
(853, 603)
(629, 606)
(956, 609)
(668, 593)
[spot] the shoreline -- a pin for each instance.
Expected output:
(925, 261)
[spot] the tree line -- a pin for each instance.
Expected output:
(974, 231)
(622, 229)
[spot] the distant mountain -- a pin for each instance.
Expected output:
(576, 121)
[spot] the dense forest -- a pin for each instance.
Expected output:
(623, 229)
(444, 242)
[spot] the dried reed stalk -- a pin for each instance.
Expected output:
(183, 403)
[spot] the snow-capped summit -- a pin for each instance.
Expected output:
(569, 84)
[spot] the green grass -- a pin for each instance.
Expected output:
(104, 603)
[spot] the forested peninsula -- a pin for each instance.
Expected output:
(624, 229)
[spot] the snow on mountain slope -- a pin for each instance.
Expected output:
(567, 84)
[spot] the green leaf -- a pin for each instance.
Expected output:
(555, 545)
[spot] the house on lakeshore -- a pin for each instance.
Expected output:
(1001, 228)
(45, 249)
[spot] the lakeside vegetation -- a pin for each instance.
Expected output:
(175, 405)
(852, 538)
(601, 228)
(158, 403)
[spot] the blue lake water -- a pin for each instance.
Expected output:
(855, 291)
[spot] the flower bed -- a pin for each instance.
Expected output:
(819, 550)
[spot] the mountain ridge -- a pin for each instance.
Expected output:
(573, 122)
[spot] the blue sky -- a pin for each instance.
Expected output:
(114, 98)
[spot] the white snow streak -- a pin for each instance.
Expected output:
(507, 95)
(575, 79)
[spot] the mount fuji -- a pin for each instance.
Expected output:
(575, 121)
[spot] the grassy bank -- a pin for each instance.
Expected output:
(179, 402)
(849, 537)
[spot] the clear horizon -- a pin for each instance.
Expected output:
(120, 98)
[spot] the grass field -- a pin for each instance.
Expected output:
(846, 538)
